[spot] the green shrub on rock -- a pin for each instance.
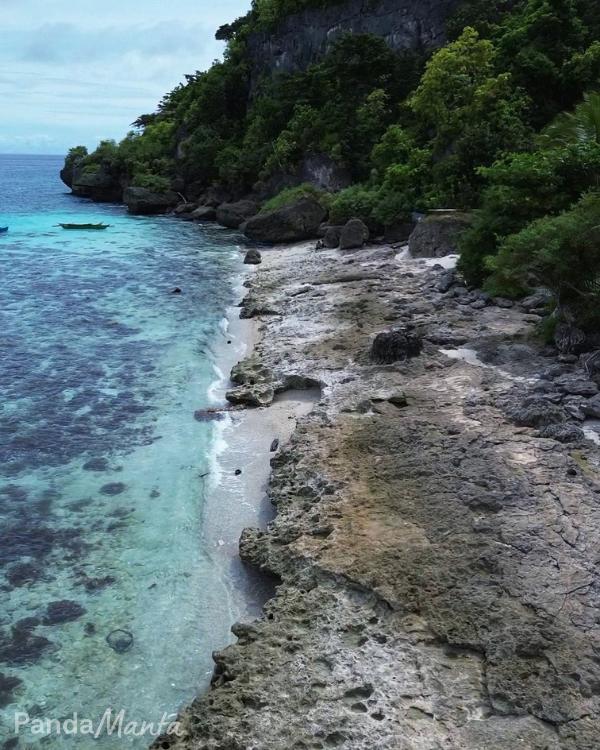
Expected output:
(561, 253)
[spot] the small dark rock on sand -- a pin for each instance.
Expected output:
(112, 488)
(120, 640)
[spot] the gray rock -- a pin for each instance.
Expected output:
(536, 412)
(298, 221)
(591, 407)
(576, 386)
(185, 208)
(253, 257)
(396, 345)
(564, 433)
(260, 394)
(204, 213)
(231, 215)
(502, 302)
(146, 202)
(99, 182)
(538, 301)
(354, 234)
(437, 235)
(446, 281)
(331, 238)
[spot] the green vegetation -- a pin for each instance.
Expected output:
(503, 121)
(294, 194)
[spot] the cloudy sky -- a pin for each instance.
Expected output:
(75, 72)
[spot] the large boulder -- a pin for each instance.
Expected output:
(253, 257)
(231, 215)
(437, 235)
(96, 181)
(204, 213)
(298, 221)
(354, 234)
(146, 202)
(332, 235)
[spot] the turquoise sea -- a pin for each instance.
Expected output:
(104, 471)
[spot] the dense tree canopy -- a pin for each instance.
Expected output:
(495, 122)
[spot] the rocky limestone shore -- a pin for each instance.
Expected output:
(437, 550)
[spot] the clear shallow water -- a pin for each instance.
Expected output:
(102, 465)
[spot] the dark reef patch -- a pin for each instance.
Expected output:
(8, 685)
(22, 573)
(113, 488)
(62, 611)
(96, 464)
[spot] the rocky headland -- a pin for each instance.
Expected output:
(437, 520)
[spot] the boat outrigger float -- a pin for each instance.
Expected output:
(84, 226)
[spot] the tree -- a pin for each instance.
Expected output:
(580, 126)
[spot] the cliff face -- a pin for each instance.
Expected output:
(303, 38)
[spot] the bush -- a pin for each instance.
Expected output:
(522, 188)
(153, 182)
(560, 252)
(356, 202)
(292, 195)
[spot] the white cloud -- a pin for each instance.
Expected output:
(78, 72)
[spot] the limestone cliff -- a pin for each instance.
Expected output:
(302, 38)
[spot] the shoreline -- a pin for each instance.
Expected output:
(417, 604)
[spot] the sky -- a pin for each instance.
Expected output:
(73, 72)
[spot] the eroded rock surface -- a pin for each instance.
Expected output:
(438, 562)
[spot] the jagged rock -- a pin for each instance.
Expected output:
(232, 215)
(253, 257)
(437, 235)
(591, 407)
(564, 433)
(249, 372)
(142, 201)
(446, 281)
(204, 213)
(505, 304)
(298, 221)
(576, 386)
(574, 407)
(538, 301)
(354, 234)
(98, 182)
(536, 412)
(331, 238)
(260, 394)
(185, 208)
(395, 345)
